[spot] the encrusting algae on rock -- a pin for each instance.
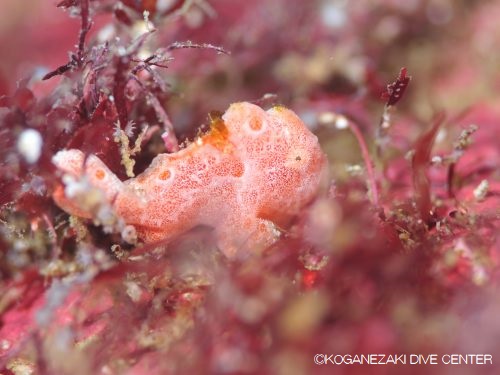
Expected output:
(251, 173)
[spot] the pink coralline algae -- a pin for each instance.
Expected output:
(247, 177)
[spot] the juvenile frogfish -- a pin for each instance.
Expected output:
(250, 174)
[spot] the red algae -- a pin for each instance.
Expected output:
(193, 245)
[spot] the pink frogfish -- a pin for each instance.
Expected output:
(249, 175)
